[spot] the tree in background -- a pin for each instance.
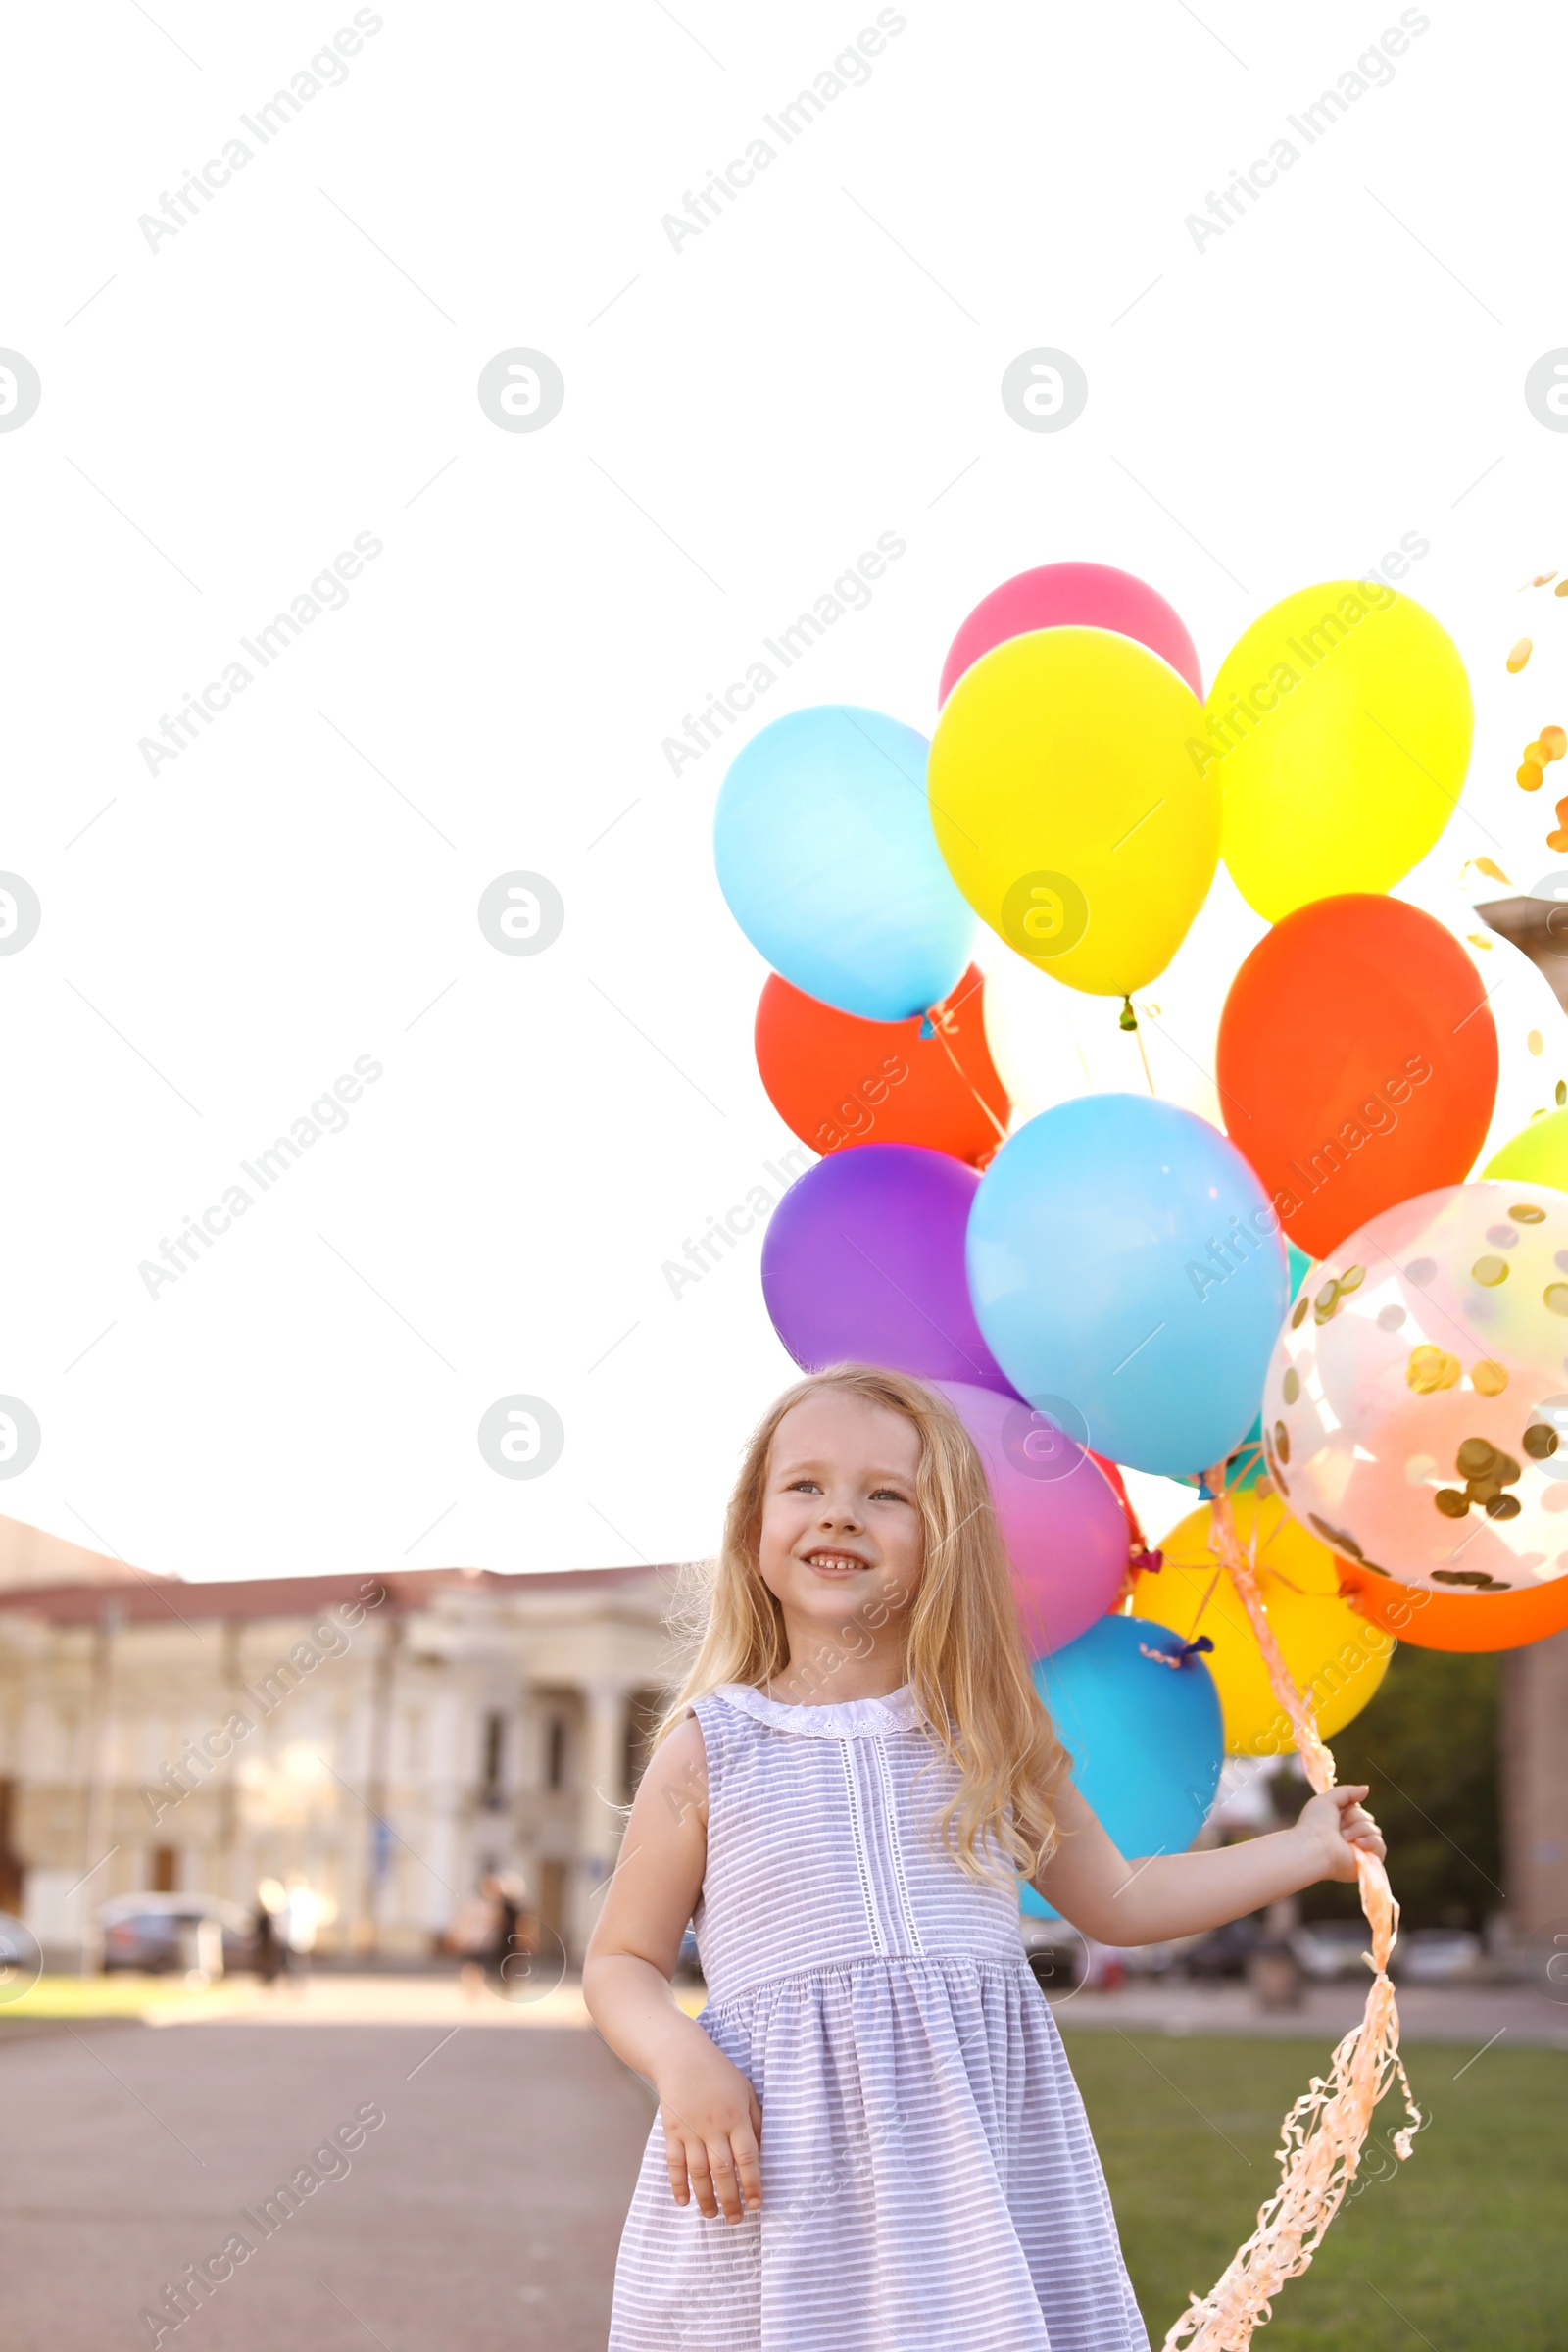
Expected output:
(1428, 1747)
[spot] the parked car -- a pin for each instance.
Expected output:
(1224, 1951)
(21, 1960)
(1058, 1955)
(1435, 1956)
(688, 1960)
(1331, 1947)
(157, 1932)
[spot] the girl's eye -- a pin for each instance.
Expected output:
(889, 1495)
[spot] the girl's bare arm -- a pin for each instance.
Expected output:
(1165, 1895)
(713, 2121)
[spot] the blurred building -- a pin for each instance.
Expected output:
(393, 1738)
(1535, 1787)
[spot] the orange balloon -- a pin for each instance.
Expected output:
(839, 1080)
(1471, 1621)
(1357, 1064)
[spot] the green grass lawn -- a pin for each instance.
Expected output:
(1463, 2249)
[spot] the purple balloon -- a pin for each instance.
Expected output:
(1065, 1532)
(863, 1262)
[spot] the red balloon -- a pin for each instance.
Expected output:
(1356, 1064)
(1137, 1542)
(838, 1080)
(1468, 1621)
(1085, 596)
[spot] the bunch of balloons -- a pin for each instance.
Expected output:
(1099, 1271)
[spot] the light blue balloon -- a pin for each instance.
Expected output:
(1145, 1736)
(825, 853)
(1129, 1277)
(1247, 1466)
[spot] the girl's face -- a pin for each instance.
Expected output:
(842, 1542)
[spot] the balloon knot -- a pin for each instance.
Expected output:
(1149, 1562)
(927, 1025)
(1128, 1019)
(1187, 1649)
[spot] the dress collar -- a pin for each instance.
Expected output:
(853, 1719)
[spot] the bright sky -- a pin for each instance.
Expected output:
(291, 376)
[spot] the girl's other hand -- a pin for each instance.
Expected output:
(1337, 1829)
(712, 2124)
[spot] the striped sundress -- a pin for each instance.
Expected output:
(929, 2183)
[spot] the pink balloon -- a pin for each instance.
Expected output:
(1060, 1520)
(1056, 596)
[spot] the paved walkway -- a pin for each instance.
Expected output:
(484, 2213)
(1174, 2005)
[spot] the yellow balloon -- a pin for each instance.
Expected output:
(1339, 729)
(1070, 808)
(1336, 1657)
(1537, 1155)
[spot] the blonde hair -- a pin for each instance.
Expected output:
(964, 1649)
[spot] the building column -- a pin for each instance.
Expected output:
(604, 1791)
(1535, 1762)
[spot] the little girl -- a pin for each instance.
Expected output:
(876, 2099)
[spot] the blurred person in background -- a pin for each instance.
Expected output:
(515, 1935)
(305, 1912)
(271, 1943)
(474, 1934)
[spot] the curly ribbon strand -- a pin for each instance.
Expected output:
(1322, 2137)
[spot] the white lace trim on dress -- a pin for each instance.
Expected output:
(856, 1718)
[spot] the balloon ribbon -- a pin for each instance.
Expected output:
(1322, 2137)
(934, 1023)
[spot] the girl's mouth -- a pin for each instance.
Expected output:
(836, 1563)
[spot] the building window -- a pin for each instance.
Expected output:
(645, 1711)
(495, 1740)
(555, 1753)
(166, 1870)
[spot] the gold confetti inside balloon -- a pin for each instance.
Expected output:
(1415, 1416)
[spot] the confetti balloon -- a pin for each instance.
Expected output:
(1415, 1414)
